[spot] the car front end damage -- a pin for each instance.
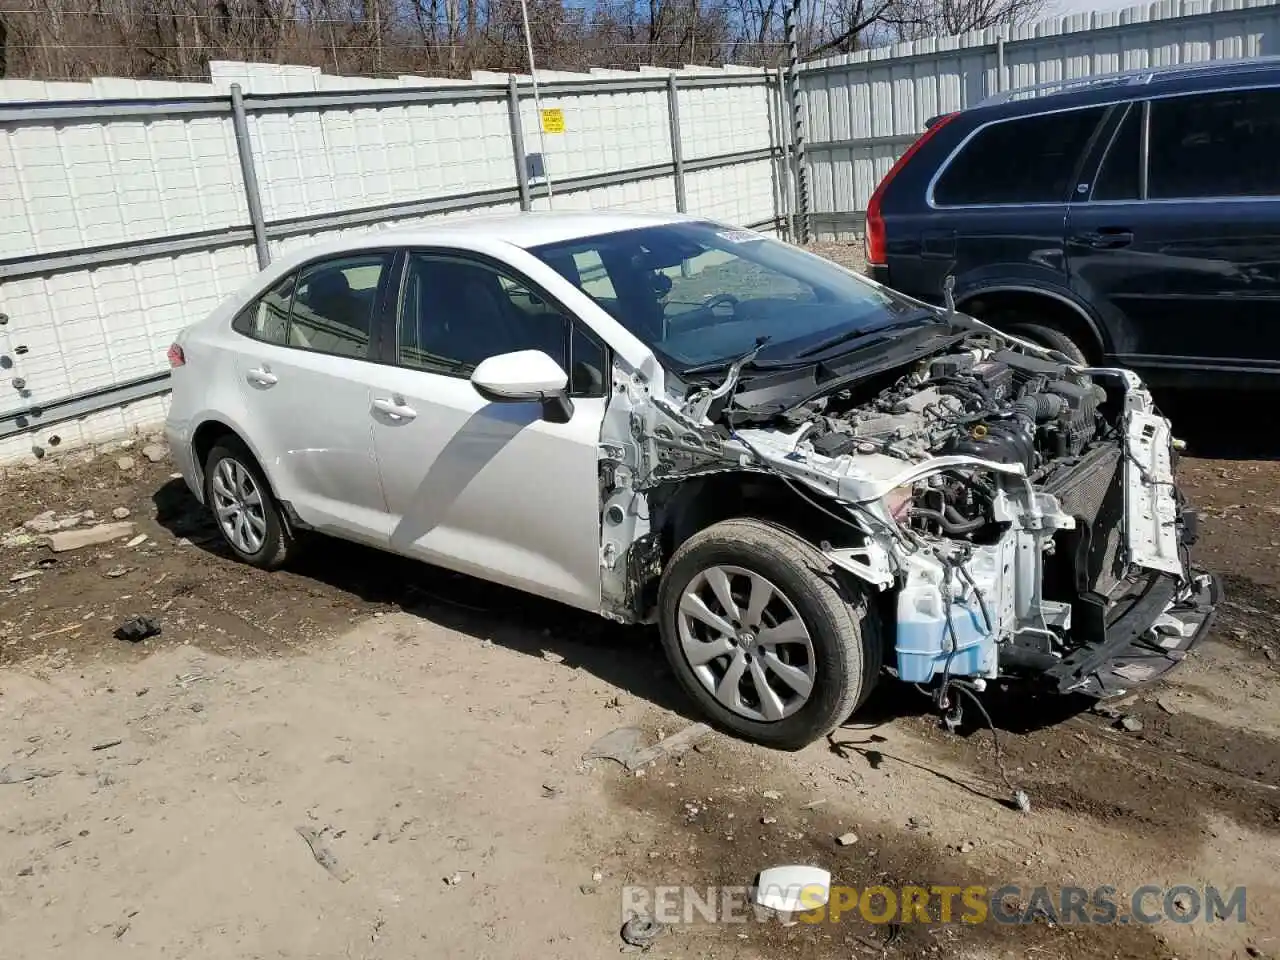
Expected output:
(1012, 515)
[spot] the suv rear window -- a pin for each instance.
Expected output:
(1027, 160)
(1215, 145)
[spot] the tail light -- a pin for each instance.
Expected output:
(875, 219)
(176, 357)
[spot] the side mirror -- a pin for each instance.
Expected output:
(525, 376)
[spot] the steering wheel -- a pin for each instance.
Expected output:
(716, 299)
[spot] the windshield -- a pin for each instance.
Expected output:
(700, 293)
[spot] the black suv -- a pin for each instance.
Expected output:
(1130, 220)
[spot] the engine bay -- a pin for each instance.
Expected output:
(1002, 406)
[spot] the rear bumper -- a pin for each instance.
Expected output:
(878, 272)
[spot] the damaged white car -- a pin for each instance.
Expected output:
(804, 479)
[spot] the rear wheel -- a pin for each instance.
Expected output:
(762, 637)
(247, 514)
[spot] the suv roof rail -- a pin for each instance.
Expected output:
(1133, 77)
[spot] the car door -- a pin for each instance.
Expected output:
(491, 489)
(303, 366)
(1178, 247)
(998, 222)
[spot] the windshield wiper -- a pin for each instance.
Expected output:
(698, 405)
(848, 336)
(739, 362)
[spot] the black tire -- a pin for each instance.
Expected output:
(1042, 335)
(845, 636)
(278, 544)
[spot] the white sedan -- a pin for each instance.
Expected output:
(803, 478)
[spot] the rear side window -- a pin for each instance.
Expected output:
(1215, 145)
(1027, 160)
(1118, 179)
(333, 306)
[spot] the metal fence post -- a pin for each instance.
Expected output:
(1000, 63)
(240, 124)
(517, 142)
(792, 27)
(677, 149)
(784, 166)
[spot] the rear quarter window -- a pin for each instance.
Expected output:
(1024, 160)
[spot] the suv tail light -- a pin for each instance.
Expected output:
(875, 221)
(176, 357)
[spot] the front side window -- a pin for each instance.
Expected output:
(334, 305)
(1027, 160)
(700, 293)
(1215, 145)
(456, 312)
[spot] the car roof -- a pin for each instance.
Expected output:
(523, 230)
(1138, 84)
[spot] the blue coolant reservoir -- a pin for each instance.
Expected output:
(924, 644)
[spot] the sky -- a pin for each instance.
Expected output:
(1083, 6)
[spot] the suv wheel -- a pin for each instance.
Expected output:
(1040, 334)
(247, 514)
(762, 637)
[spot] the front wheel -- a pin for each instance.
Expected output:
(763, 637)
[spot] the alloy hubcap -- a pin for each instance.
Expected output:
(746, 643)
(237, 502)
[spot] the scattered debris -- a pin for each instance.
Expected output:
(42, 523)
(154, 452)
(125, 463)
(324, 856)
(120, 513)
(453, 880)
(588, 889)
(672, 746)
(1131, 723)
(137, 541)
(771, 795)
(552, 657)
(792, 889)
(619, 745)
(17, 539)
(107, 744)
(642, 931)
(812, 804)
(1022, 801)
(24, 575)
(1164, 704)
(120, 930)
(26, 871)
(21, 773)
(137, 629)
(550, 791)
(768, 820)
(847, 839)
(967, 846)
(65, 540)
(115, 572)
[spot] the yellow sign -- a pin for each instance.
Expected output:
(553, 120)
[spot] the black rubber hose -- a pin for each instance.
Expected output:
(948, 525)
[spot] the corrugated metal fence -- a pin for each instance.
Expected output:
(127, 216)
(862, 110)
(130, 208)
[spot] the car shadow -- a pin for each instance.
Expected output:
(626, 657)
(1221, 424)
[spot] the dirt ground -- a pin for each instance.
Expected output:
(429, 729)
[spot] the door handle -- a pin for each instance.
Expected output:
(262, 376)
(1107, 238)
(394, 407)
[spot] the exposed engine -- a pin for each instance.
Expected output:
(1004, 406)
